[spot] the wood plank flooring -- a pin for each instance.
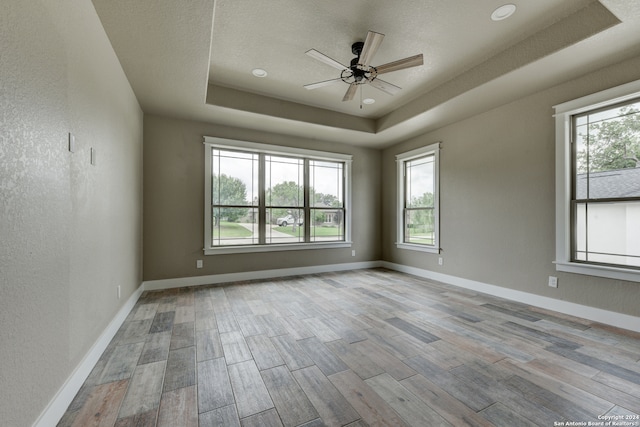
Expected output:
(366, 347)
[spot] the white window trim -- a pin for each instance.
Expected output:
(563, 113)
(400, 159)
(210, 142)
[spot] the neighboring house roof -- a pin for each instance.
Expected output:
(608, 184)
(323, 205)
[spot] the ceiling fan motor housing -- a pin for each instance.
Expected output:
(356, 48)
(358, 74)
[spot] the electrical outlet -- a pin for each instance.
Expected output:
(553, 281)
(93, 156)
(440, 261)
(118, 292)
(199, 263)
(353, 252)
(72, 142)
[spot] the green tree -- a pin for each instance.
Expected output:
(325, 200)
(285, 195)
(289, 194)
(611, 144)
(227, 190)
(424, 201)
(423, 219)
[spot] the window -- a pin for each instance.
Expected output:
(418, 199)
(262, 197)
(598, 184)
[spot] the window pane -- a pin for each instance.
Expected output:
(264, 197)
(234, 178)
(284, 182)
(285, 226)
(419, 182)
(608, 233)
(326, 184)
(234, 226)
(327, 225)
(608, 153)
(419, 226)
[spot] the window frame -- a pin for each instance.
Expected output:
(401, 160)
(564, 169)
(275, 150)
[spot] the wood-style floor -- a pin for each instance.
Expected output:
(367, 347)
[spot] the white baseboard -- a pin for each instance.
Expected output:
(612, 318)
(65, 395)
(154, 285)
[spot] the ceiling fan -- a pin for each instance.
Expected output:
(361, 71)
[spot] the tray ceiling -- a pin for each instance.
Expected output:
(195, 59)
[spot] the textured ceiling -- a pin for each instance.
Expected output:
(194, 59)
(451, 38)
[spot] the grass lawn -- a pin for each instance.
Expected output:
(315, 231)
(422, 240)
(325, 231)
(420, 234)
(230, 230)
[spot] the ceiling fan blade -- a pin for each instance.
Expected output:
(322, 84)
(384, 86)
(353, 88)
(371, 45)
(324, 58)
(401, 64)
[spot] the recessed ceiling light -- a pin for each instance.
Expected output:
(503, 12)
(259, 72)
(368, 101)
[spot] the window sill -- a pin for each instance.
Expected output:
(419, 248)
(274, 248)
(616, 273)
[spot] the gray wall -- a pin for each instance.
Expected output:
(174, 203)
(70, 232)
(498, 199)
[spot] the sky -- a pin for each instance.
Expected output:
(244, 166)
(420, 176)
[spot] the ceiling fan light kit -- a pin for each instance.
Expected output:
(360, 71)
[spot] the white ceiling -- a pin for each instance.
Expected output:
(194, 59)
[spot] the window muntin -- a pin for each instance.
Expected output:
(580, 200)
(605, 201)
(282, 197)
(418, 199)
